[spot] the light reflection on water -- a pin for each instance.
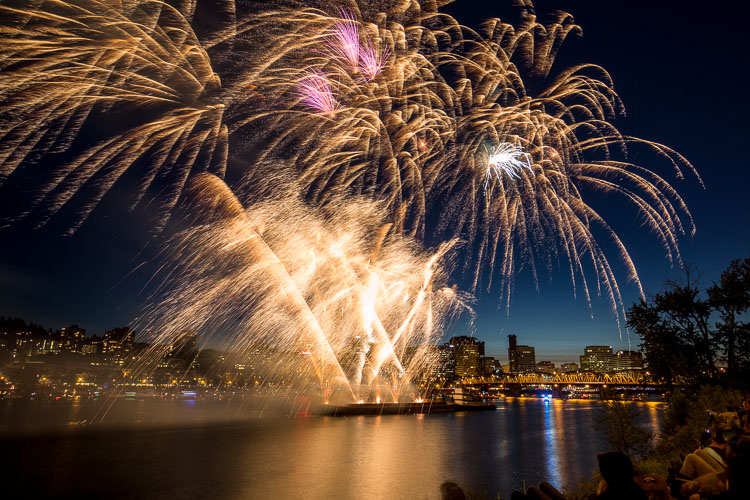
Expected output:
(406, 456)
(552, 437)
(653, 411)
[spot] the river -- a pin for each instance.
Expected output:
(195, 455)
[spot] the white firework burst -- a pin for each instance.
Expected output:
(506, 158)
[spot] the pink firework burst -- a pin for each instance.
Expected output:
(372, 60)
(343, 41)
(315, 91)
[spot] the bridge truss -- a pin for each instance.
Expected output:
(625, 378)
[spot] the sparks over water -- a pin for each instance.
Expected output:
(340, 302)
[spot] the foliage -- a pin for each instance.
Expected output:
(651, 465)
(687, 417)
(13, 326)
(730, 298)
(620, 423)
(687, 330)
(585, 489)
(472, 494)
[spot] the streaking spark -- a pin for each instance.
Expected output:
(508, 159)
(372, 60)
(340, 306)
(343, 43)
(315, 91)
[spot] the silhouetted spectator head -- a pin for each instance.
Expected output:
(451, 491)
(616, 468)
(718, 437)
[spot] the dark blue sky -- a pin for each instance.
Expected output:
(682, 73)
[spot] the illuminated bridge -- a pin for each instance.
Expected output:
(603, 384)
(632, 379)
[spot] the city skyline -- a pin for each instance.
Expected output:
(81, 333)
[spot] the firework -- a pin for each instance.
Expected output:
(341, 300)
(372, 60)
(424, 97)
(315, 92)
(67, 65)
(416, 139)
(506, 159)
(342, 42)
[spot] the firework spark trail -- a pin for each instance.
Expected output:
(315, 91)
(506, 159)
(487, 101)
(343, 43)
(418, 97)
(245, 281)
(71, 62)
(372, 60)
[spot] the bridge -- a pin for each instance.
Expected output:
(604, 384)
(586, 378)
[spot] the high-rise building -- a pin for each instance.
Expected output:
(466, 351)
(88, 349)
(545, 367)
(71, 338)
(512, 354)
(569, 367)
(597, 359)
(488, 365)
(24, 344)
(118, 340)
(50, 346)
(446, 365)
(521, 358)
(410, 352)
(627, 361)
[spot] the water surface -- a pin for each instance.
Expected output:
(393, 456)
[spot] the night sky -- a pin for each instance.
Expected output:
(682, 72)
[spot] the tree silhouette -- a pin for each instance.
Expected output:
(686, 329)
